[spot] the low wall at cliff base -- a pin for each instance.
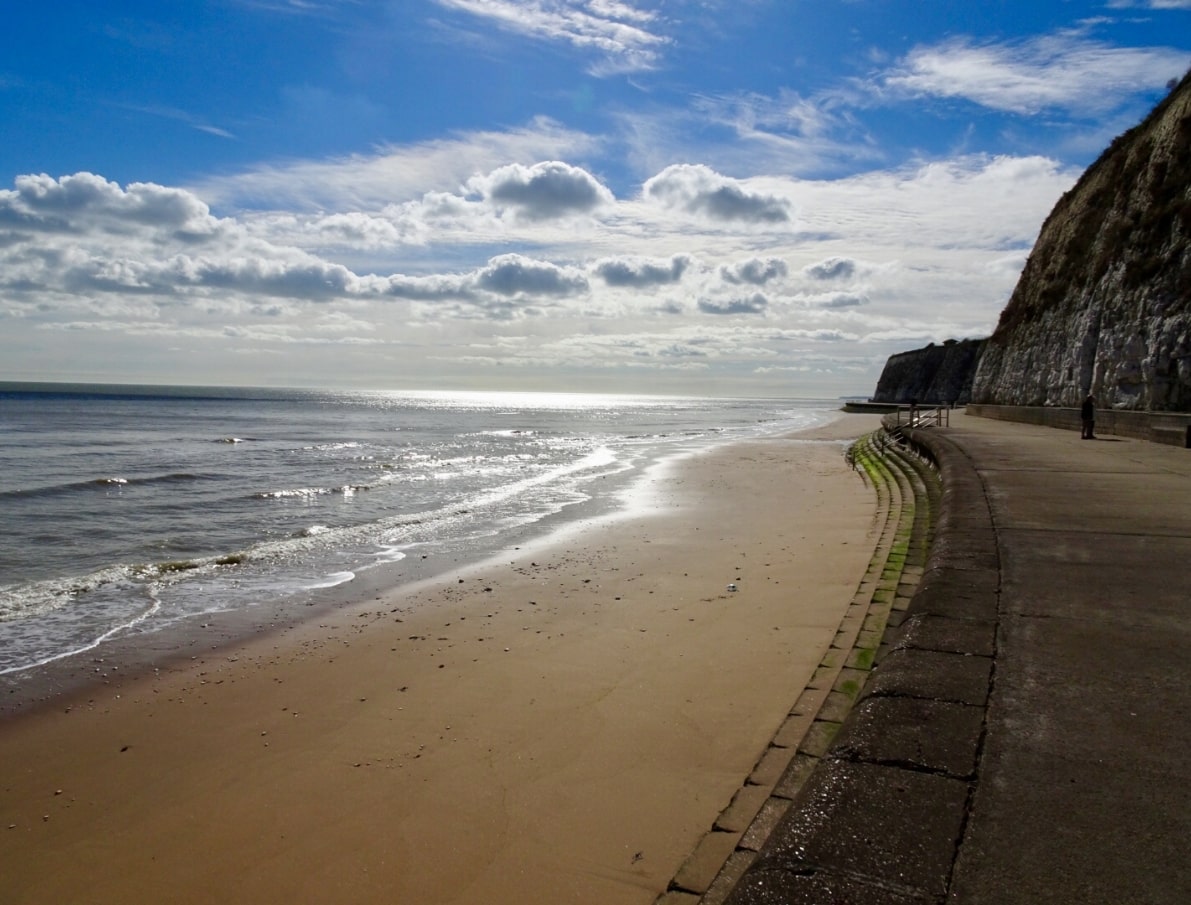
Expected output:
(1157, 427)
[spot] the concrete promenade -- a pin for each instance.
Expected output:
(1026, 737)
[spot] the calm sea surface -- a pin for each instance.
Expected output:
(125, 509)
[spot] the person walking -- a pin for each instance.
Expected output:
(1087, 415)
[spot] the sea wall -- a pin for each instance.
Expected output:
(1169, 428)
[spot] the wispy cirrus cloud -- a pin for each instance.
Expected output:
(618, 32)
(322, 8)
(196, 122)
(1149, 4)
(393, 174)
(1062, 71)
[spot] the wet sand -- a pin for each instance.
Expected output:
(558, 725)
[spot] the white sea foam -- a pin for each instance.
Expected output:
(185, 528)
(333, 580)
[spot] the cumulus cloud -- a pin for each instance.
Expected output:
(307, 279)
(505, 286)
(85, 200)
(84, 233)
(516, 275)
(757, 271)
(641, 272)
(700, 190)
(543, 191)
(86, 236)
(430, 274)
(752, 304)
(394, 174)
(513, 201)
(301, 277)
(439, 287)
(831, 269)
(1026, 77)
(354, 229)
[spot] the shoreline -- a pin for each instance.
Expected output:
(559, 725)
(136, 653)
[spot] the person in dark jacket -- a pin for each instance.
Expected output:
(1087, 415)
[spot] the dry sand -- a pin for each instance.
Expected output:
(560, 725)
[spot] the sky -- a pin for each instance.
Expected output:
(724, 197)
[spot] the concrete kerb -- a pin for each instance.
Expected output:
(882, 817)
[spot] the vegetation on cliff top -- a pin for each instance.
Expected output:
(1131, 210)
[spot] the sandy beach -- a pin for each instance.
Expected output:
(558, 725)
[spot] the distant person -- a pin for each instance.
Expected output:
(1087, 415)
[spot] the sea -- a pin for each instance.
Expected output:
(127, 509)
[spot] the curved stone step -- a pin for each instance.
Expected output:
(907, 490)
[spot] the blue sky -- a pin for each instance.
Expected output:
(679, 196)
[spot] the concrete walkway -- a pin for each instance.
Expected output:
(1026, 739)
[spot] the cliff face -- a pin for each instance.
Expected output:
(1104, 302)
(934, 374)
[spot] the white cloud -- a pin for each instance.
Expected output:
(750, 304)
(970, 201)
(617, 32)
(1149, 4)
(697, 189)
(354, 228)
(1063, 71)
(83, 234)
(641, 272)
(786, 132)
(515, 276)
(543, 191)
(682, 287)
(837, 300)
(757, 271)
(44, 204)
(835, 268)
(393, 175)
(297, 7)
(173, 113)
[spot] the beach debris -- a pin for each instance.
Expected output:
(732, 587)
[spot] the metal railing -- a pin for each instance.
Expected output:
(920, 416)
